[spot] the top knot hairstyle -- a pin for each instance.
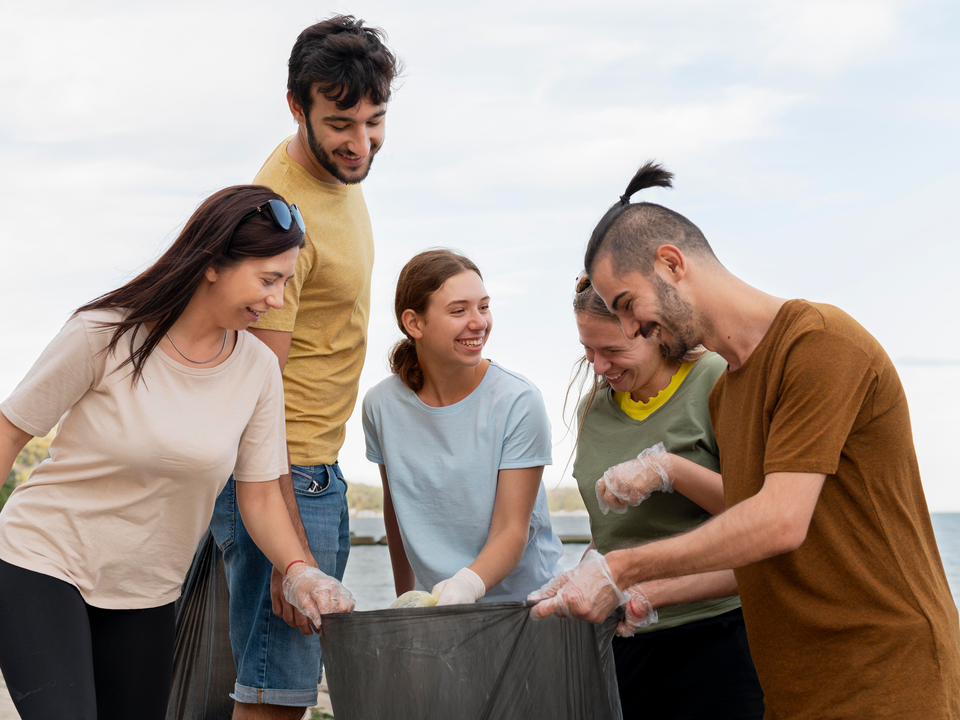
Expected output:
(420, 278)
(631, 232)
(221, 233)
(347, 62)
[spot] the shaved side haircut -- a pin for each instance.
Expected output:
(630, 233)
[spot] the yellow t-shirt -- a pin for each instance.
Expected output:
(326, 306)
(643, 410)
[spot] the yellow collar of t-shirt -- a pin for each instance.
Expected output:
(643, 410)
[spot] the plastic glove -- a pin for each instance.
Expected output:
(588, 592)
(315, 593)
(631, 482)
(462, 589)
(552, 587)
(639, 612)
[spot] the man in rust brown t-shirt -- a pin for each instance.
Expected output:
(846, 603)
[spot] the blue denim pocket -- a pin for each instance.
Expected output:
(311, 480)
(223, 524)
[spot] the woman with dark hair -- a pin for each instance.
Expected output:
(159, 397)
(461, 443)
(645, 450)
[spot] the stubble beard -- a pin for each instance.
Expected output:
(679, 318)
(328, 163)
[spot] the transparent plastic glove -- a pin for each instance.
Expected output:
(315, 593)
(639, 612)
(588, 592)
(631, 482)
(462, 589)
(552, 587)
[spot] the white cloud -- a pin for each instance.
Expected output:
(517, 124)
(829, 35)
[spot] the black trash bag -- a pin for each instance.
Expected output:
(488, 661)
(203, 669)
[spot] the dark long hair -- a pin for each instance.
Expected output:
(213, 236)
(420, 278)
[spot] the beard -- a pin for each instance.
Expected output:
(679, 318)
(330, 165)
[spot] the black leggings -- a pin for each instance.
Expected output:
(702, 670)
(62, 658)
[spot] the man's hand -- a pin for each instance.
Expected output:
(281, 608)
(588, 592)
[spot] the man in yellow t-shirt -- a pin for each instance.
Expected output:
(339, 83)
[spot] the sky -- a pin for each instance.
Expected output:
(814, 143)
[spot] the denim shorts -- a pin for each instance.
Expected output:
(277, 664)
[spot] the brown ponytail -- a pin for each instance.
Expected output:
(420, 278)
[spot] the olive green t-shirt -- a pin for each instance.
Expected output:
(608, 436)
(858, 622)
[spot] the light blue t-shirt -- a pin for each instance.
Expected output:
(442, 465)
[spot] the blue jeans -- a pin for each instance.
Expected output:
(277, 664)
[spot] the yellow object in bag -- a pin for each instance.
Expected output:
(414, 598)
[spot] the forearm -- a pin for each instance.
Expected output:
(500, 555)
(293, 511)
(266, 518)
(12, 441)
(772, 522)
(697, 483)
(404, 579)
(691, 588)
(517, 491)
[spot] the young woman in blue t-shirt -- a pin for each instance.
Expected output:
(461, 443)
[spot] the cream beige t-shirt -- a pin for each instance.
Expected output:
(326, 307)
(128, 491)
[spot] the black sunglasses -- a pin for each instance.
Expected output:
(583, 282)
(282, 214)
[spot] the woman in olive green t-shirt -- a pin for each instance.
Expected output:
(637, 399)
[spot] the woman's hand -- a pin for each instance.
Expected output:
(315, 593)
(267, 519)
(631, 482)
(638, 612)
(283, 609)
(464, 588)
(517, 491)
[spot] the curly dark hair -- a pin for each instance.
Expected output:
(345, 60)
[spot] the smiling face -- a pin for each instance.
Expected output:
(238, 295)
(342, 142)
(456, 325)
(628, 364)
(649, 307)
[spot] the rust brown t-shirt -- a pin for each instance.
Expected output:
(858, 622)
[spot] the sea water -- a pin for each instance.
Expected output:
(370, 577)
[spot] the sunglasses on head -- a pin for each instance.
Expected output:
(283, 215)
(583, 282)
